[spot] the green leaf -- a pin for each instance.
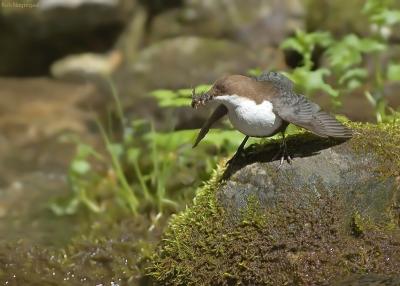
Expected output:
(80, 167)
(353, 73)
(293, 44)
(353, 78)
(223, 138)
(348, 52)
(312, 81)
(175, 102)
(374, 6)
(185, 92)
(161, 94)
(172, 140)
(368, 45)
(386, 17)
(133, 155)
(115, 149)
(68, 207)
(181, 97)
(203, 87)
(305, 43)
(393, 73)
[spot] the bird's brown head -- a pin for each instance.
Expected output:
(227, 85)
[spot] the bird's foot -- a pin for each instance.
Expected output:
(284, 154)
(283, 158)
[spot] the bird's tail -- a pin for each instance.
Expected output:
(325, 125)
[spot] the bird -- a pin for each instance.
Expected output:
(264, 106)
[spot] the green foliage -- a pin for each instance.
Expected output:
(343, 59)
(348, 52)
(381, 13)
(314, 79)
(393, 72)
(344, 69)
(80, 178)
(305, 44)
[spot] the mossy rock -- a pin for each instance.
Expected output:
(333, 213)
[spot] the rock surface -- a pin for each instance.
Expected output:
(256, 23)
(334, 212)
(88, 66)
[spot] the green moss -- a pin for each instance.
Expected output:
(359, 224)
(383, 141)
(301, 240)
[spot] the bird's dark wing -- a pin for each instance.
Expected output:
(219, 112)
(298, 110)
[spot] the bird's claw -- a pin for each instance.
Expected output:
(283, 158)
(283, 151)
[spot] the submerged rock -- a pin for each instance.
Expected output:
(333, 213)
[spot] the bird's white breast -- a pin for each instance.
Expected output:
(250, 118)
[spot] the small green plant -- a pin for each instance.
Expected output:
(343, 63)
(81, 178)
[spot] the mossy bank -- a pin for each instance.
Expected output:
(334, 212)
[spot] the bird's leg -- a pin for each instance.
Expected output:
(285, 154)
(239, 150)
(283, 151)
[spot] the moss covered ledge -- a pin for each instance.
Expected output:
(334, 212)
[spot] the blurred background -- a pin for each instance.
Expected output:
(95, 120)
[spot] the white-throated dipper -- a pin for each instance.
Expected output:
(263, 107)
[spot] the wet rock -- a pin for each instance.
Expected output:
(32, 38)
(86, 66)
(332, 213)
(256, 23)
